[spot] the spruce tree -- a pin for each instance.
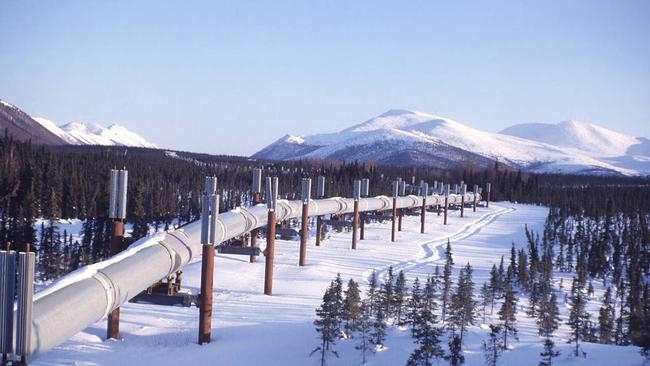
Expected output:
(415, 302)
(578, 316)
(363, 329)
(337, 288)
(463, 306)
(494, 287)
(549, 353)
(446, 289)
(549, 316)
(455, 355)
(507, 314)
(399, 297)
(486, 299)
(327, 325)
(378, 332)
(427, 339)
(387, 293)
(448, 256)
(492, 347)
(606, 319)
(373, 294)
(351, 305)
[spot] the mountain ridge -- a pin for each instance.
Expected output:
(435, 137)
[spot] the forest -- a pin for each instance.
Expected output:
(597, 229)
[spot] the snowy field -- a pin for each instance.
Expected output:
(250, 328)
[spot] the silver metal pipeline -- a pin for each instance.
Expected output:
(90, 293)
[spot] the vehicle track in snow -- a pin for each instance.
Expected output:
(432, 250)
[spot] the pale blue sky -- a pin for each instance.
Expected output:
(231, 77)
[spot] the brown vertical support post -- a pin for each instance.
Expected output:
(355, 224)
(303, 234)
(392, 232)
(304, 230)
(462, 200)
(270, 254)
(205, 298)
(319, 229)
(115, 246)
(446, 206)
(356, 196)
(422, 214)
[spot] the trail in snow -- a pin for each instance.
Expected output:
(432, 250)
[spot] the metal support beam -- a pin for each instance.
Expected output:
(269, 252)
(355, 224)
(394, 217)
(462, 199)
(423, 213)
(304, 231)
(319, 229)
(115, 246)
(205, 298)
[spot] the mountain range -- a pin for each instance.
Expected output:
(408, 138)
(42, 131)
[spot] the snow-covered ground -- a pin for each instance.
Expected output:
(250, 328)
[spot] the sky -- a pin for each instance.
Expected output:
(231, 77)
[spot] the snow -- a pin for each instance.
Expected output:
(569, 147)
(78, 133)
(6, 104)
(587, 137)
(250, 328)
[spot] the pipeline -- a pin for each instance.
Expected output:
(89, 294)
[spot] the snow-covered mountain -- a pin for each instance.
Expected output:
(76, 133)
(403, 137)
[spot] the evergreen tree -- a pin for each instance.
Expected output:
(494, 287)
(378, 332)
(446, 289)
(522, 270)
(507, 314)
(337, 289)
(327, 325)
(455, 355)
(578, 317)
(363, 328)
(387, 293)
(427, 338)
(606, 319)
(549, 316)
(415, 302)
(492, 347)
(463, 306)
(351, 305)
(486, 298)
(373, 294)
(549, 353)
(399, 297)
(448, 256)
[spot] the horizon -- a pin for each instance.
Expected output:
(317, 68)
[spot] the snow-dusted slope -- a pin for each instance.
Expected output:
(77, 133)
(578, 135)
(426, 139)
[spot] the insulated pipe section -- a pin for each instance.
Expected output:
(94, 291)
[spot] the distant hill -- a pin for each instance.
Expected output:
(23, 127)
(408, 138)
(42, 131)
